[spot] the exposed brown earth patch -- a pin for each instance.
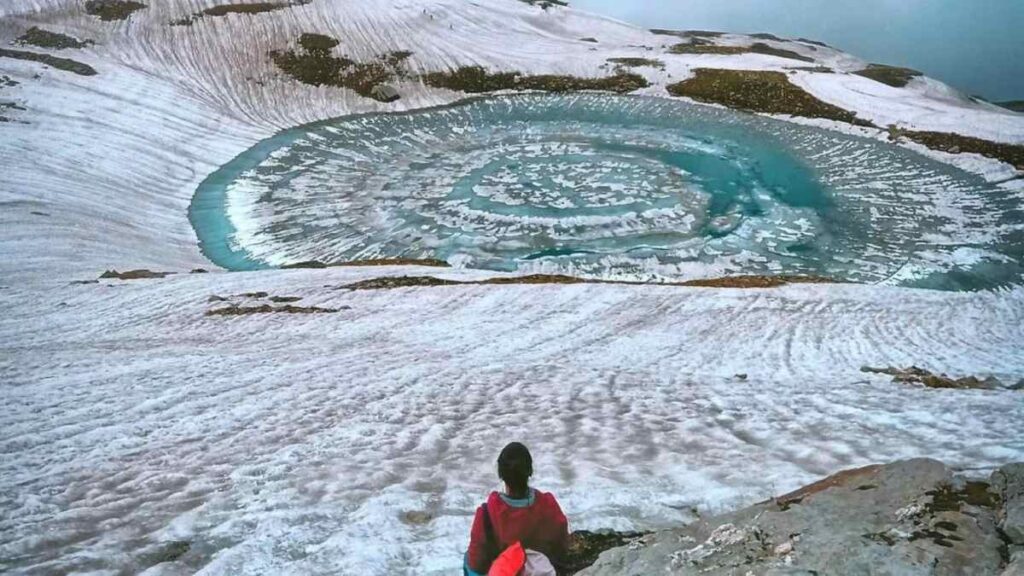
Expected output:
(225, 9)
(66, 64)
(819, 69)
(284, 299)
(838, 479)
(388, 283)
(313, 63)
(109, 10)
(372, 262)
(1012, 154)
(545, 4)
(141, 274)
(475, 80)
(236, 310)
(814, 42)
(758, 91)
(36, 36)
(385, 283)
(892, 75)
(757, 281)
(921, 377)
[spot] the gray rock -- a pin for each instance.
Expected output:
(385, 93)
(1008, 482)
(1016, 565)
(910, 517)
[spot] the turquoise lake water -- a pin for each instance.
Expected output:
(610, 187)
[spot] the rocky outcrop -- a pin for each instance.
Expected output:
(141, 274)
(1009, 482)
(920, 377)
(909, 517)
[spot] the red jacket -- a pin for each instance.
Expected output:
(540, 526)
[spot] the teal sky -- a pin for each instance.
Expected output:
(975, 45)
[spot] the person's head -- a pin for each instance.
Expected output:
(515, 466)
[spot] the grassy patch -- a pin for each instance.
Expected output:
(36, 36)
(766, 36)
(586, 546)
(1015, 105)
(108, 10)
(891, 75)
(475, 80)
(637, 62)
(66, 64)
(761, 48)
(758, 91)
(225, 9)
(1012, 154)
(314, 64)
(818, 69)
(946, 498)
(7, 82)
(167, 552)
(702, 48)
(687, 33)
(756, 48)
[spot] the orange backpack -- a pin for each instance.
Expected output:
(510, 562)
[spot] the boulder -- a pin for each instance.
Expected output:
(909, 517)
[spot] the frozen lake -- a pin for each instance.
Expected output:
(609, 187)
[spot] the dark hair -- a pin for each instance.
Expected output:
(515, 466)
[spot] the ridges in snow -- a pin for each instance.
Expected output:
(287, 443)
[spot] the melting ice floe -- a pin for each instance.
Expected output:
(612, 187)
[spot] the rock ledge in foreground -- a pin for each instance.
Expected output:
(908, 517)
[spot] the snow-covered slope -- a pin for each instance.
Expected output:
(360, 441)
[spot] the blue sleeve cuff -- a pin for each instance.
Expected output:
(466, 570)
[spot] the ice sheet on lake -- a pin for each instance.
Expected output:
(610, 187)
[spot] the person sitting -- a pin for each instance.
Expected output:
(523, 517)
